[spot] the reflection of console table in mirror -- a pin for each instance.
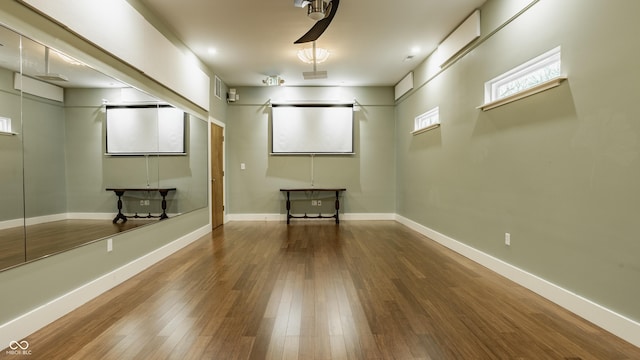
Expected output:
(312, 190)
(120, 192)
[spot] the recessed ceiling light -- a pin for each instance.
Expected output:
(212, 51)
(415, 50)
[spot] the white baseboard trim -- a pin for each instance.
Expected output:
(613, 322)
(109, 216)
(90, 216)
(283, 217)
(256, 217)
(367, 216)
(8, 224)
(26, 324)
(227, 218)
(45, 219)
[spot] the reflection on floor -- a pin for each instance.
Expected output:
(53, 237)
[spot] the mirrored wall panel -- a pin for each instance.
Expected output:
(12, 239)
(85, 156)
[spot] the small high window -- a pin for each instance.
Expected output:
(538, 74)
(427, 121)
(5, 125)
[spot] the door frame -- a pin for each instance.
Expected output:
(217, 122)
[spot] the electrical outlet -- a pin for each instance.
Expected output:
(319, 202)
(141, 202)
(146, 203)
(507, 239)
(109, 245)
(314, 203)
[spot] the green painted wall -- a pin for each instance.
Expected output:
(558, 170)
(43, 136)
(10, 152)
(368, 175)
(41, 129)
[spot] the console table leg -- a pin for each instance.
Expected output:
(337, 207)
(120, 215)
(288, 208)
(164, 205)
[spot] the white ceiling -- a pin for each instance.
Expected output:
(368, 39)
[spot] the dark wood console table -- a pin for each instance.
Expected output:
(120, 191)
(319, 216)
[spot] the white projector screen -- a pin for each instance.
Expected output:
(145, 129)
(312, 129)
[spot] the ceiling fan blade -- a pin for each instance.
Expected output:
(320, 26)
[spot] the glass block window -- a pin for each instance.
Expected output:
(536, 71)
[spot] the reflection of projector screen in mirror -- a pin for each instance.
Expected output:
(312, 129)
(145, 129)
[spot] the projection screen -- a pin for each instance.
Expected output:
(312, 129)
(145, 129)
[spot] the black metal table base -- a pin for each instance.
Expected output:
(120, 216)
(336, 215)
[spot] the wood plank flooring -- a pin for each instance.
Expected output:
(55, 236)
(314, 290)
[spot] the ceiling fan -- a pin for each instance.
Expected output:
(322, 12)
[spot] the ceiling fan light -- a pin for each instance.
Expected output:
(306, 55)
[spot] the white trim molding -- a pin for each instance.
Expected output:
(256, 217)
(7, 224)
(609, 320)
(283, 217)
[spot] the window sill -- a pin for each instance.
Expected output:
(8, 133)
(523, 94)
(430, 127)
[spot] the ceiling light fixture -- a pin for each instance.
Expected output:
(306, 55)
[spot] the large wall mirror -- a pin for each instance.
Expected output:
(55, 168)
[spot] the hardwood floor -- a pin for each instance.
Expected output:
(56, 236)
(314, 290)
